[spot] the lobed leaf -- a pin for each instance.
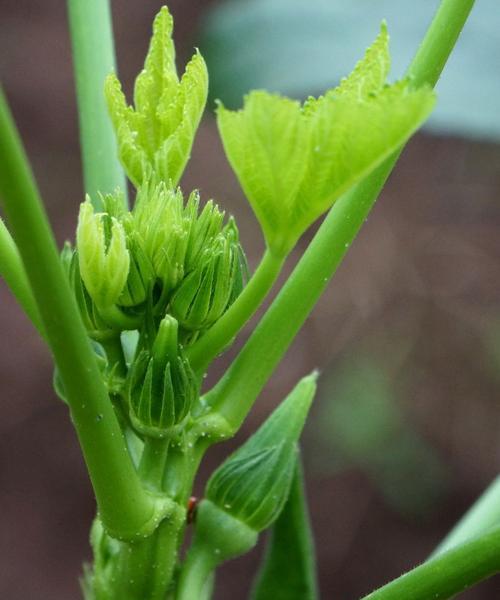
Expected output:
(294, 161)
(157, 135)
(269, 172)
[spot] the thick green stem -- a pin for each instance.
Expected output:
(12, 270)
(124, 506)
(483, 515)
(144, 569)
(225, 329)
(235, 393)
(94, 58)
(448, 574)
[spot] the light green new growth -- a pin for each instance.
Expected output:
(103, 256)
(294, 161)
(370, 73)
(157, 135)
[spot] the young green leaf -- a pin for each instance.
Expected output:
(288, 571)
(370, 73)
(157, 135)
(294, 161)
(267, 144)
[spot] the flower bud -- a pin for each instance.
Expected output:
(204, 228)
(206, 293)
(94, 324)
(161, 384)
(160, 223)
(252, 485)
(104, 260)
(141, 274)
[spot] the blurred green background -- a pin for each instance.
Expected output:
(404, 432)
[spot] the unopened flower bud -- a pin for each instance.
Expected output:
(160, 222)
(204, 228)
(96, 327)
(103, 256)
(141, 274)
(247, 492)
(252, 485)
(206, 293)
(161, 385)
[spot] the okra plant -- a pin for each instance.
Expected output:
(149, 294)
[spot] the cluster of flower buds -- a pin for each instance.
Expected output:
(167, 269)
(165, 255)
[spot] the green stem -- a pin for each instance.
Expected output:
(12, 270)
(235, 393)
(144, 569)
(196, 571)
(94, 58)
(114, 353)
(124, 506)
(483, 515)
(440, 39)
(153, 462)
(448, 574)
(183, 464)
(116, 318)
(225, 329)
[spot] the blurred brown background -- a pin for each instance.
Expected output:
(404, 434)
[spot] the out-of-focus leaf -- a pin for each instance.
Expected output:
(361, 421)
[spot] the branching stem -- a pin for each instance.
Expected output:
(225, 329)
(236, 392)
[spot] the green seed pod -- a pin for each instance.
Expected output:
(161, 385)
(103, 256)
(206, 293)
(252, 485)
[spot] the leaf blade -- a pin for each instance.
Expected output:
(288, 570)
